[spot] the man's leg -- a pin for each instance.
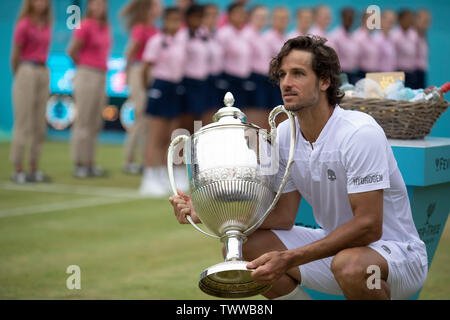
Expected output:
(350, 268)
(262, 241)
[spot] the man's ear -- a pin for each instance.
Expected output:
(324, 84)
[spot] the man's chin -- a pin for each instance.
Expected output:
(293, 107)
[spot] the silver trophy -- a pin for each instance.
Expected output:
(231, 167)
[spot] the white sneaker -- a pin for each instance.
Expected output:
(164, 179)
(181, 179)
(151, 184)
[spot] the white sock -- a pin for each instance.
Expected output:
(297, 294)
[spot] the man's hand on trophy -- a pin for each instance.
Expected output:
(182, 206)
(270, 266)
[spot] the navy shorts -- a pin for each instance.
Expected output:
(275, 95)
(195, 97)
(216, 92)
(260, 97)
(241, 89)
(164, 99)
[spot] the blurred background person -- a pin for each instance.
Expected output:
(216, 85)
(422, 24)
(304, 19)
(89, 50)
(387, 57)
(183, 5)
(236, 54)
(196, 70)
(223, 17)
(164, 56)
(322, 20)
(368, 50)
(31, 41)
(345, 45)
(259, 104)
(275, 37)
(405, 40)
(139, 16)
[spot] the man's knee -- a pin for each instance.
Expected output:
(348, 266)
(256, 244)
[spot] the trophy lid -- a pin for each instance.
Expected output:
(229, 114)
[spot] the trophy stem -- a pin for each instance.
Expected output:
(233, 245)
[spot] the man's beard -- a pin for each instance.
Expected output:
(303, 104)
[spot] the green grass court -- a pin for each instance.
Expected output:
(127, 247)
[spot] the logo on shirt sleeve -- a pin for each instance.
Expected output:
(371, 178)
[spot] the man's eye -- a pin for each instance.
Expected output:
(281, 75)
(298, 73)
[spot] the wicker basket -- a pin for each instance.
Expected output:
(399, 119)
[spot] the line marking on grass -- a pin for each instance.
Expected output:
(60, 206)
(99, 196)
(73, 189)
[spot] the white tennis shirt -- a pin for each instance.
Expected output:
(351, 155)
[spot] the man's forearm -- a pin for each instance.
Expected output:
(355, 233)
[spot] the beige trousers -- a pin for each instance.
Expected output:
(90, 100)
(136, 135)
(30, 95)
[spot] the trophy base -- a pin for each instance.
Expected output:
(230, 279)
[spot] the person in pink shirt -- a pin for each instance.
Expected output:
(196, 68)
(368, 50)
(259, 104)
(164, 56)
(223, 17)
(342, 40)
(405, 39)
(30, 92)
(322, 20)
(275, 37)
(89, 50)
(236, 55)
(422, 24)
(139, 16)
(304, 19)
(216, 85)
(387, 58)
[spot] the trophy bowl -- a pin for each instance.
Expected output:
(231, 168)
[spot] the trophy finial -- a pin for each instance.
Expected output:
(228, 100)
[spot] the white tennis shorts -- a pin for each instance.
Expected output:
(407, 262)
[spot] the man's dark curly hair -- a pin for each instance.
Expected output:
(325, 63)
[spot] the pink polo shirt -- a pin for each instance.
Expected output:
(260, 51)
(215, 51)
(368, 50)
(406, 48)
(236, 51)
(295, 33)
(315, 30)
(275, 41)
(167, 54)
(140, 33)
(422, 53)
(197, 55)
(96, 39)
(34, 40)
(346, 47)
(387, 57)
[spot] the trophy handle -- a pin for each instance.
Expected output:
(173, 144)
(273, 129)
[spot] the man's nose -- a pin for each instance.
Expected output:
(286, 82)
